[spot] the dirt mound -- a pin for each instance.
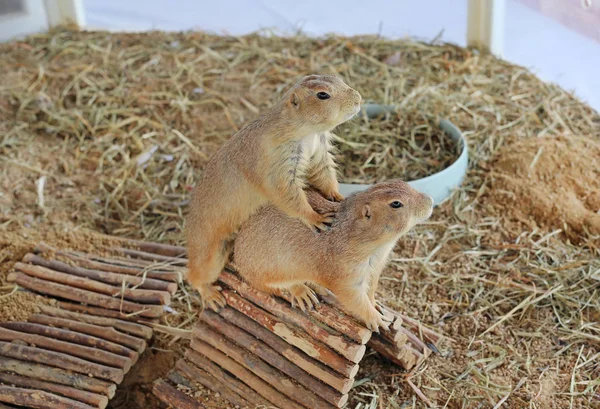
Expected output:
(554, 182)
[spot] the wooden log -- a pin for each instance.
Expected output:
(297, 338)
(37, 399)
(85, 283)
(347, 348)
(80, 351)
(159, 248)
(73, 337)
(109, 334)
(259, 348)
(60, 360)
(293, 354)
(99, 312)
(266, 372)
(57, 375)
(204, 378)
(138, 330)
(174, 261)
(257, 384)
(222, 377)
(90, 398)
(173, 397)
(87, 297)
(405, 357)
(103, 276)
(91, 264)
(145, 265)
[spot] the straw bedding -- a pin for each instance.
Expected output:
(106, 133)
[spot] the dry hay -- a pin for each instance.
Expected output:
(107, 132)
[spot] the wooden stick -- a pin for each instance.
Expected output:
(222, 377)
(406, 357)
(290, 352)
(159, 248)
(103, 276)
(295, 337)
(140, 331)
(73, 337)
(86, 262)
(348, 349)
(175, 261)
(207, 380)
(60, 360)
(87, 297)
(419, 328)
(80, 351)
(266, 372)
(257, 384)
(56, 375)
(110, 334)
(276, 360)
(99, 312)
(173, 397)
(90, 398)
(36, 399)
(146, 265)
(84, 283)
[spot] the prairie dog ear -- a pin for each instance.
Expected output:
(366, 211)
(294, 101)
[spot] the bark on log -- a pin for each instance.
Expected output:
(290, 352)
(92, 354)
(87, 297)
(159, 248)
(109, 334)
(37, 399)
(253, 363)
(200, 361)
(261, 387)
(348, 349)
(299, 339)
(174, 261)
(207, 380)
(272, 357)
(406, 357)
(91, 264)
(60, 360)
(103, 276)
(90, 398)
(73, 337)
(100, 312)
(138, 330)
(56, 375)
(85, 283)
(173, 397)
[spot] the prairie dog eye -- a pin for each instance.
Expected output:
(396, 204)
(323, 95)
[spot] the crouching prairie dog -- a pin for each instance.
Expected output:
(274, 252)
(269, 160)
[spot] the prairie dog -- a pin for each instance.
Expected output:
(269, 160)
(274, 252)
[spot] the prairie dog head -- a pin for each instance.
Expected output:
(321, 102)
(386, 211)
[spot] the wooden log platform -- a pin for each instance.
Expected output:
(259, 351)
(75, 353)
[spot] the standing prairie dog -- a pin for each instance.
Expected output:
(269, 160)
(274, 252)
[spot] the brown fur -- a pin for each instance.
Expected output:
(269, 160)
(275, 252)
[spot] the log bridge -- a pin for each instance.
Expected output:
(258, 350)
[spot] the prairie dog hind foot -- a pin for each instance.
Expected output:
(211, 297)
(303, 297)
